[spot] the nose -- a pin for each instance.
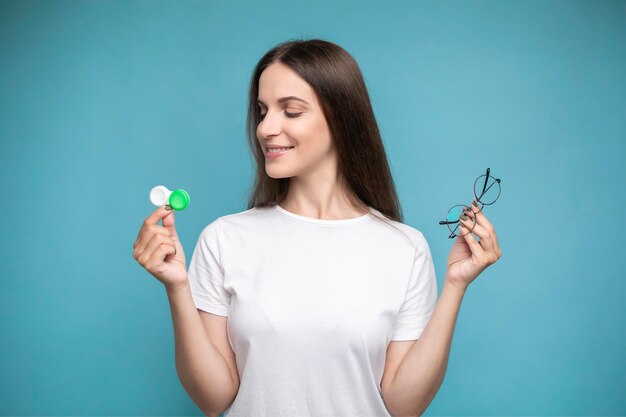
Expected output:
(269, 125)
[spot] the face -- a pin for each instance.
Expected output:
(296, 122)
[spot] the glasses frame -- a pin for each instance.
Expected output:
(480, 203)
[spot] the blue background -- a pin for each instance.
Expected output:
(102, 100)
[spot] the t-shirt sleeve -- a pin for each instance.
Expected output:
(421, 296)
(206, 275)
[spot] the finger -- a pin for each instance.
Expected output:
(156, 255)
(156, 241)
(482, 220)
(486, 241)
(151, 220)
(156, 262)
(169, 224)
(470, 239)
(475, 228)
(157, 215)
(159, 240)
(146, 233)
(480, 217)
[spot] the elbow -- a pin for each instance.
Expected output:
(211, 412)
(407, 408)
(214, 402)
(403, 412)
(216, 409)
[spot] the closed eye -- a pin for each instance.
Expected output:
(290, 115)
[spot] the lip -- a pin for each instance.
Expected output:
(273, 155)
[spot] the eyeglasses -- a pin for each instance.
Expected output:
(486, 191)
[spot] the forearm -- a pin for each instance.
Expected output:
(201, 368)
(421, 372)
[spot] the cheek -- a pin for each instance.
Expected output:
(309, 133)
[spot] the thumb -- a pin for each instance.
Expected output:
(169, 222)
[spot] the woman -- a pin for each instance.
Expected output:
(317, 300)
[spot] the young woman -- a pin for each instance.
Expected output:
(317, 300)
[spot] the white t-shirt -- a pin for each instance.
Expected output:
(312, 306)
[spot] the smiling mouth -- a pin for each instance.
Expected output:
(271, 151)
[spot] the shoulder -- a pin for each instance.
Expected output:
(407, 233)
(243, 218)
(235, 221)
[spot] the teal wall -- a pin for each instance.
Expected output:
(102, 100)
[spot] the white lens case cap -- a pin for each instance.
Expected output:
(160, 195)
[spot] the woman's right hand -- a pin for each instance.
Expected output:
(159, 251)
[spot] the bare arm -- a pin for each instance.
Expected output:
(421, 372)
(202, 369)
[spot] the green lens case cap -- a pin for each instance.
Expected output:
(179, 199)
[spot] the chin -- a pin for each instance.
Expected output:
(277, 175)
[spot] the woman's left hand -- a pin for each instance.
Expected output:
(469, 257)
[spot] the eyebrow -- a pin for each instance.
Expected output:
(283, 99)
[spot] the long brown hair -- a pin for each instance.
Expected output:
(335, 77)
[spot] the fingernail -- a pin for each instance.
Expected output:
(474, 204)
(168, 207)
(464, 216)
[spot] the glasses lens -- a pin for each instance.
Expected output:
(453, 218)
(486, 189)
